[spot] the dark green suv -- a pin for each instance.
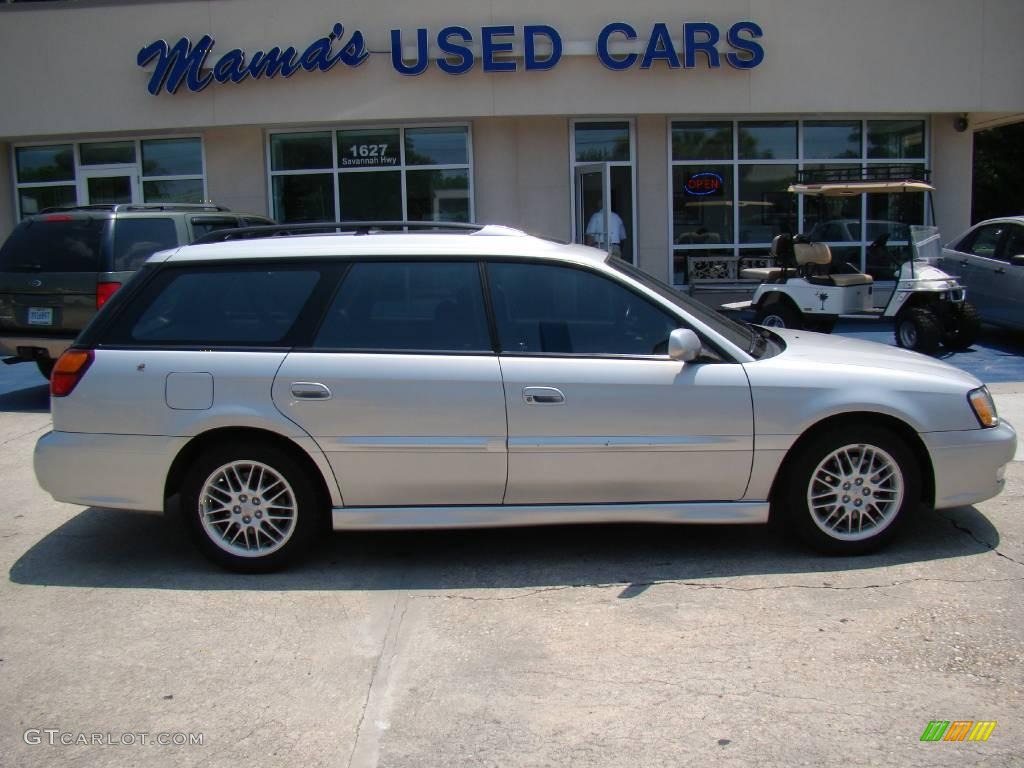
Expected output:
(58, 267)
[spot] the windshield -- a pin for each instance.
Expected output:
(54, 244)
(743, 336)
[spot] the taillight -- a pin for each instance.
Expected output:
(69, 370)
(104, 291)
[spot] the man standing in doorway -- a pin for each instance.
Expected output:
(595, 234)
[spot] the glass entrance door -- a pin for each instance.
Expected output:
(108, 188)
(592, 193)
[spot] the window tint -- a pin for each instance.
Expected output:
(236, 307)
(543, 308)
(135, 240)
(53, 244)
(400, 306)
(204, 225)
(983, 241)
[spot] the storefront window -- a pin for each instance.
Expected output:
(726, 213)
(108, 172)
(602, 142)
(375, 174)
(767, 141)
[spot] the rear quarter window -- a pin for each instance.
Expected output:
(216, 307)
(54, 244)
(135, 240)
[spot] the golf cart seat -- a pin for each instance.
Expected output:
(810, 257)
(782, 250)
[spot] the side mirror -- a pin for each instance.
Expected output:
(1018, 260)
(683, 345)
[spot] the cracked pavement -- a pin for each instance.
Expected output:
(588, 646)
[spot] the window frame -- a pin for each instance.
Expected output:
(403, 167)
(81, 170)
(738, 249)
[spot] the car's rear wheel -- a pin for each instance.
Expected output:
(918, 329)
(779, 315)
(848, 491)
(250, 508)
(965, 325)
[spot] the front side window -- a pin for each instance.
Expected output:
(983, 241)
(220, 307)
(1014, 244)
(547, 309)
(408, 307)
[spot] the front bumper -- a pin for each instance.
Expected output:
(969, 466)
(83, 468)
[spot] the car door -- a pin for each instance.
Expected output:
(1008, 279)
(597, 411)
(401, 387)
(974, 260)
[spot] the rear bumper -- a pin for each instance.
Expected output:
(53, 345)
(82, 468)
(969, 466)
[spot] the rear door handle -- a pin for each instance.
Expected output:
(963, 263)
(310, 390)
(1000, 271)
(543, 396)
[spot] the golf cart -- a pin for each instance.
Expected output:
(807, 290)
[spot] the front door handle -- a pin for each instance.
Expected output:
(1000, 271)
(963, 263)
(310, 390)
(543, 396)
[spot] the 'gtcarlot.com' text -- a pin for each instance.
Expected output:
(55, 737)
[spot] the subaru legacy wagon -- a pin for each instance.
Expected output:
(269, 388)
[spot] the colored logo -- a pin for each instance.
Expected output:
(958, 730)
(704, 184)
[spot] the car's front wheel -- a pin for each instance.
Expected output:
(250, 507)
(849, 490)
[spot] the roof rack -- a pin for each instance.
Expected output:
(338, 228)
(122, 207)
(870, 173)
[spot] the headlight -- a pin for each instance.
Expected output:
(983, 406)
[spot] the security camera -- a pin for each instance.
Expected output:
(960, 124)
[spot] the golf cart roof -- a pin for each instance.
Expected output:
(852, 188)
(850, 180)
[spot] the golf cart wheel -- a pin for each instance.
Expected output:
(778, 314)
(964, 327)
(849, 490)
(918, 329)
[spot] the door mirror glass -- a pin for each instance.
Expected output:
(683, 345)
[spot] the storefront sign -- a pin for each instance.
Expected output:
(494, 47)
(368, 156)
(704, 184)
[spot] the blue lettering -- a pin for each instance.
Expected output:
(464, 53)
(397, 60)
(660, 47)
(530, 55)
(181, 63)
(625, 62)
(491, 47)
(691, 45)
(273, 63)
(231, 67)
(754, 50)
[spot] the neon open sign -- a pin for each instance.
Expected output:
(704, 184)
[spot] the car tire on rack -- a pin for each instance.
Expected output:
(848, 491)
(250, 507)
(918, 329)
(778, 314)
(964, 329)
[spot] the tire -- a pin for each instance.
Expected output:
(779, 314)
(821, 324)
(242, 535)
(918, 329)
(826, 522)
(45, 366)
(965, 327)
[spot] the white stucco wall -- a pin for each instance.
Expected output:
(236, 174)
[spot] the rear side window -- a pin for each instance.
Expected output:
(217, 307)
(204, 225)
(54, 244)
(408, 307)
(135, 240)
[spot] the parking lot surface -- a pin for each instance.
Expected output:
(591, 646)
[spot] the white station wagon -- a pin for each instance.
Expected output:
(272, 387)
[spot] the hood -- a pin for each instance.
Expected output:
(823, 349)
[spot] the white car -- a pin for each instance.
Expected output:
(272, 387)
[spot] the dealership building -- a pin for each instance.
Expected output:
(666, 131)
